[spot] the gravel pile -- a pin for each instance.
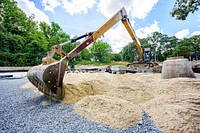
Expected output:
(22, 110)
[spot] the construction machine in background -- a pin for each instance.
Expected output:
(146, 65)
(48, 78)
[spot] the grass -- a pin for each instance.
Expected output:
(84, 62)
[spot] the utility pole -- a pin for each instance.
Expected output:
(153, 43)
(154, 53)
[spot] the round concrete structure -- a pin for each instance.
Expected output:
(177, 68)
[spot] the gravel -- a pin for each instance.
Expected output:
(21, 111)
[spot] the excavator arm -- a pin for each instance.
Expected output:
(120, 15)
(49, 78)
(58, 49)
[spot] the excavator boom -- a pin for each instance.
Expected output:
(49, 78)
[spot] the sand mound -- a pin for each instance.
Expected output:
(75, 92)
(114, 112)
(131, 94)
(156, 96)
(168, 86)
(173, 104)
(178, 112)
(77, 86)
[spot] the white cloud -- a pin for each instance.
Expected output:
(141, 8)
(118, 37)
(49, 5)
(195, 33)
(182, 34)
(77, 6)
(70, 6)
(137, 8)
(29, 8)
(145, 32)
(109, 7)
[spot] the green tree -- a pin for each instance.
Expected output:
(54, 33)
(166, 46)
(116, 57)
(101, 51)
(182, 8)
(45, 29)
(85, 55)
(129, 52)
(21, 43)
(182, 51)
(13, 19)
(144, 43)
(183, 48)
(195, 43)
(54, 36)
(155, 39)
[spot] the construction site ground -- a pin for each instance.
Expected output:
(103, 102)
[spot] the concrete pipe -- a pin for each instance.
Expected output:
(177, 68)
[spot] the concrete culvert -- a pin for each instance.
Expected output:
(177, 68)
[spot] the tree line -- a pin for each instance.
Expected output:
(24, 42)
(164, 47)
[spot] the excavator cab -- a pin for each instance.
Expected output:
(48, 78)
(147, 55)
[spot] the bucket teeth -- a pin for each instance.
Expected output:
(49, 78)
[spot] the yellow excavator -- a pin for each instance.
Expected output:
(48, 77)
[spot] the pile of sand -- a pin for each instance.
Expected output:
(178, 112)
(158, 97)
(111, 111)
(117, 101)
(133, 95)
(77, 86)
(75, 92)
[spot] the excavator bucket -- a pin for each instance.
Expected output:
(49, 78)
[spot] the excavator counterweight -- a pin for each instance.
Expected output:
(48, 78)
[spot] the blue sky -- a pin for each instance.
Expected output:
(77, 17)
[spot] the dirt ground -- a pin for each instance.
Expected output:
(118, 100)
